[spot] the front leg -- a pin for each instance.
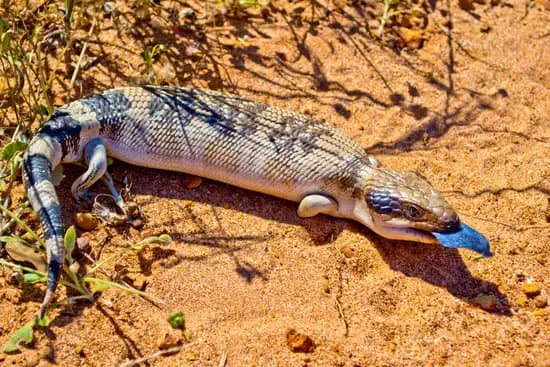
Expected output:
(314, 204)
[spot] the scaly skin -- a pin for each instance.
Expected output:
(231, 139)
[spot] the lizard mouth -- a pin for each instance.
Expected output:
(408, 234)
(463, 237)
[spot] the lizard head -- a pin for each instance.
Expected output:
(405, 206)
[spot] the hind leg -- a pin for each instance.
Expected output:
(95, 156)
(108, 181)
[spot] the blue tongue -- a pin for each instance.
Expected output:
(465, 237)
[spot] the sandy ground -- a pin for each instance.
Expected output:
(470, 111)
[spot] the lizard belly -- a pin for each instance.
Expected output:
(250, 179)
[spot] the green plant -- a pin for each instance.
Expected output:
(68, 17)
(84, 284)
(26, 87)
(387, 5)
(150, 54)
(24, 335)
(177, 320)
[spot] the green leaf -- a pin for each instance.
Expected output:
(147, 54)
(137, 246)
(42, 110)
(12, 148)
(177, 320)
(15, 165)
(70, 241)
(5, 40)
(31, 278)
(15, 240)
(163, 239)
(100, 286)
(42, 322)
(21, 336)
(247, 3)
(3, 26)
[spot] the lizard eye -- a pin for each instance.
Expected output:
(411, 212)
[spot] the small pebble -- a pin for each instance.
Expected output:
(299, 343)
(109, 7)
(85, 221)
(326, 285)
(166, 74)
(485, 28)
(187, 13)
(192, 182)
(191, 356)
(487, 302)
(155, 24)
(541, 301)
(531, 290)
(32, 359)
(522, 301)
(412, 38)
(169, 339)
(82, 243)
(171, 262)
(467, 5)
(520, 277)
(139, 281)
(74, 267)
(15, 278)
(348, 251)
(79, 350)
(12, 295)
(192, 51)
(447, 23)
(136, 223)
(142, 13)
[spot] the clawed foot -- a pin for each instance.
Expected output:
(85, 198)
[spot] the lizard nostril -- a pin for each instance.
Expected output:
(450, 221)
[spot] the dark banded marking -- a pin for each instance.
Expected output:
(37, 173)
(64, 129)
(37, 169)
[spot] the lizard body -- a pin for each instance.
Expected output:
(231, 139)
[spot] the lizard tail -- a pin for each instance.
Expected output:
(37, 174)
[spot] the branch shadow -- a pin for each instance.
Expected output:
(132, 350)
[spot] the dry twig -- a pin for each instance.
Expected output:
(158, 353)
